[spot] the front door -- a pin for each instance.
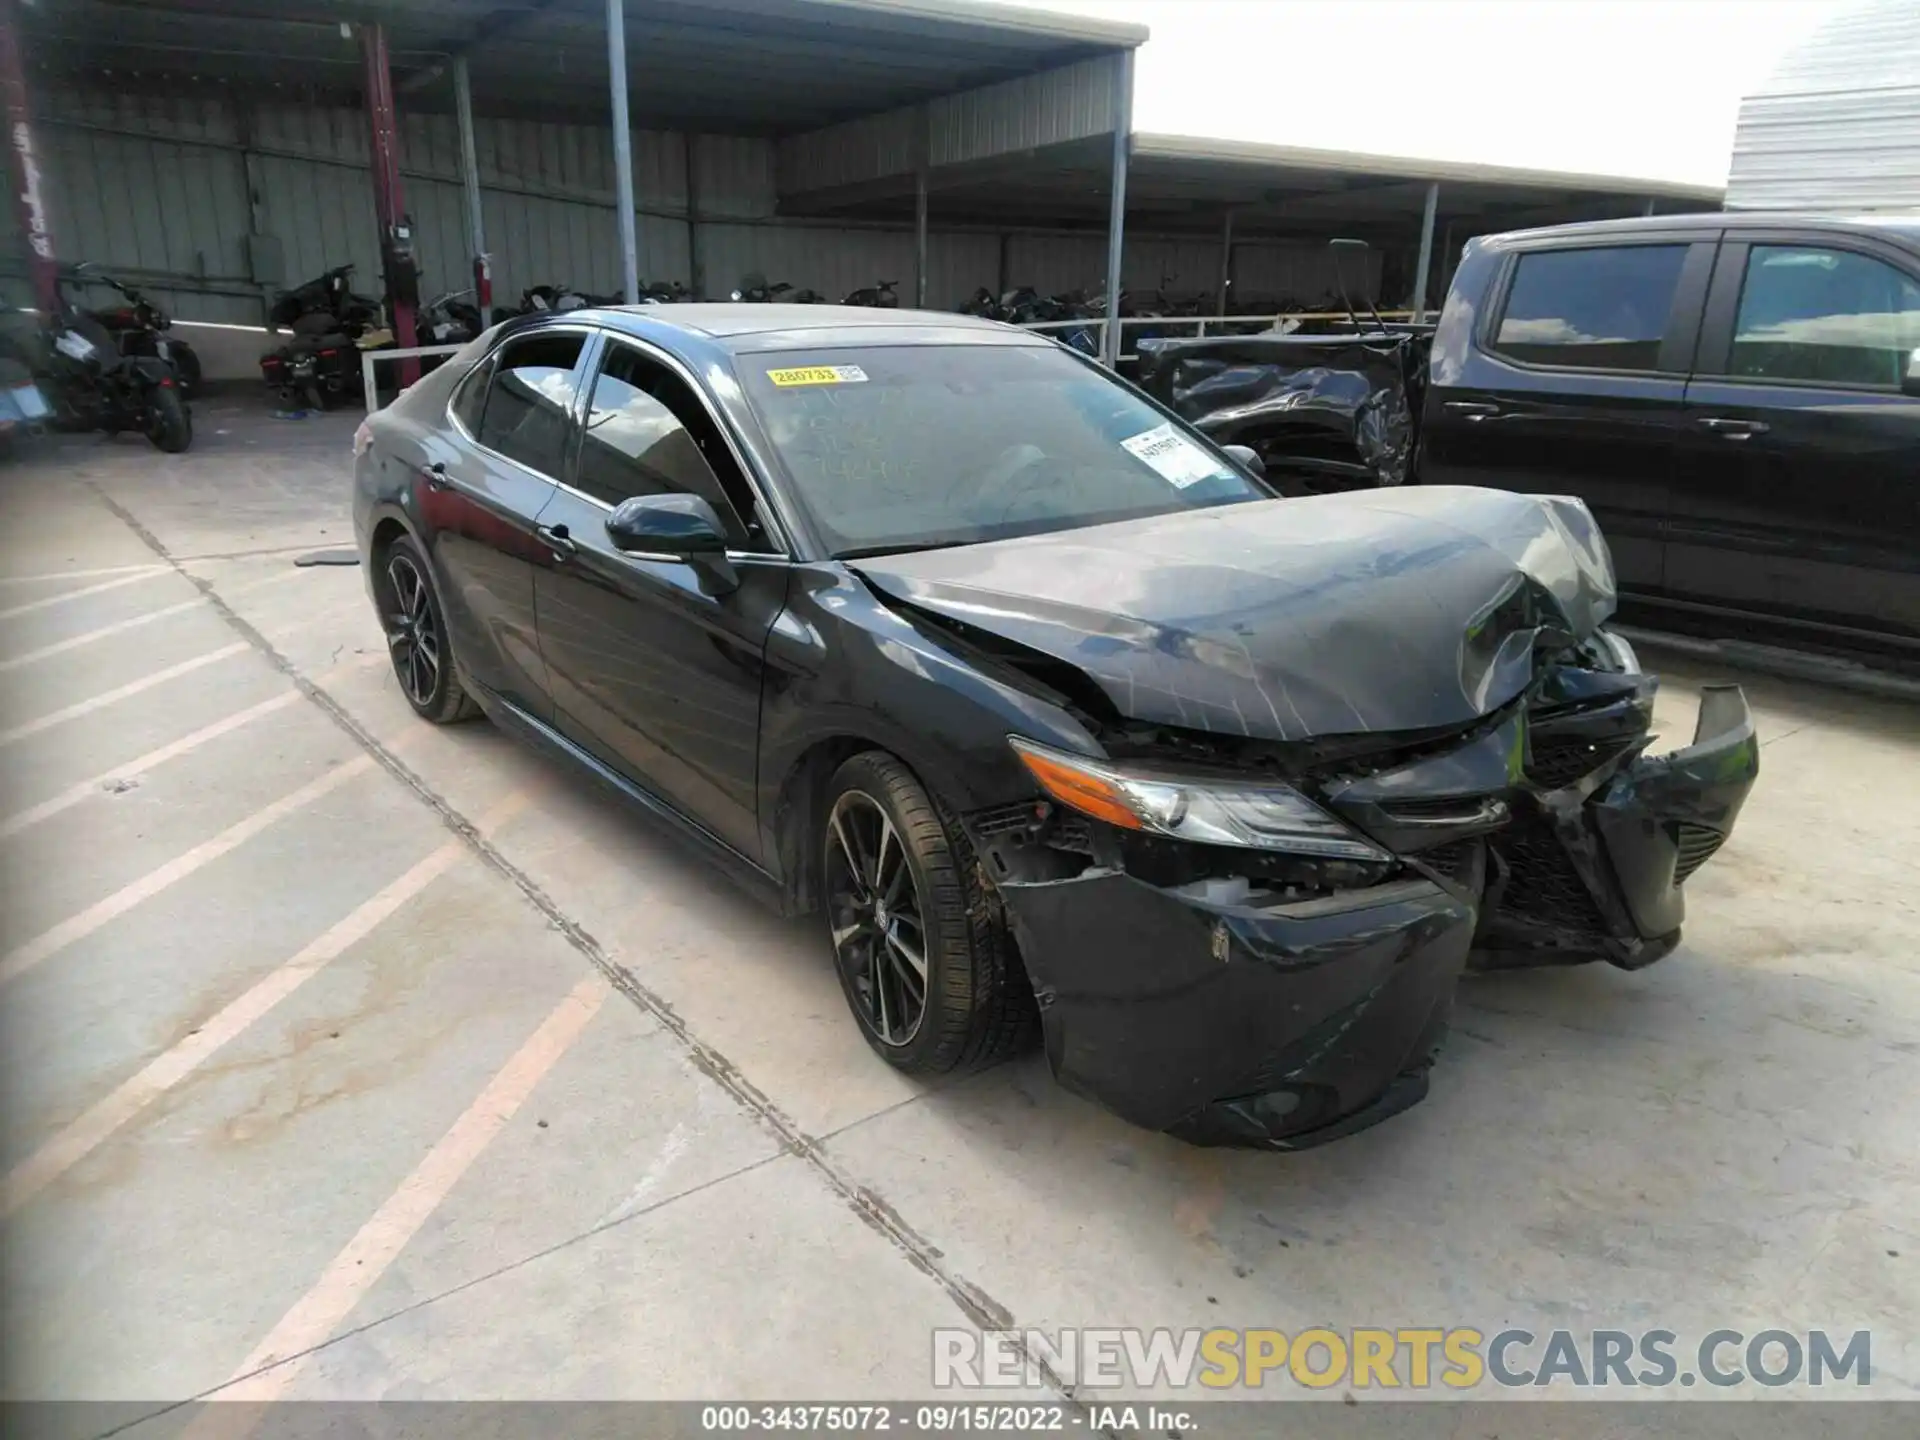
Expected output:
(652, 672)
(512, 422)
(1573, 386)
(1798, 491)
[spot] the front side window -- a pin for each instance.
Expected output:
(1601, 308)
(1820, 316)
(915, 446)
(648, 434)
(530, 401)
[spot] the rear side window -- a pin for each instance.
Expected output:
(470, 400)
(530, 401)
(1821, 316)
(1604, 308)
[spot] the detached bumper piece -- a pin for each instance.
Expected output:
(1280, 1027)
(1546, 839)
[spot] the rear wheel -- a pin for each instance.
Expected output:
(417, 636)
(169, 422)
(925, 963)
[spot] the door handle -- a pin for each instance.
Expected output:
(436, 475)
(557, 540)
(1731, 429)
(1472, 409)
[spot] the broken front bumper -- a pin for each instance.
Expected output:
(1288, 1025)
(1282, 1026)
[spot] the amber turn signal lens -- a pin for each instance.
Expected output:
(1088, 793)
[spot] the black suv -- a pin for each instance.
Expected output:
(1736, 397)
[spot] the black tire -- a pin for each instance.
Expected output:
(976, 1006)
(186, 366)
(417, 639)
(169, 422)
(312, 396)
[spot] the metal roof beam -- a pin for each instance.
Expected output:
(495, 26)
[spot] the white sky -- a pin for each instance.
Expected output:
(1642, 88)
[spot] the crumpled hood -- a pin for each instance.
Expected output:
(1383, 610)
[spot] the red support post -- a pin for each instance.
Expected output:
(23, 167)
(389, 202)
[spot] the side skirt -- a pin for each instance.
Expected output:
(744, 872)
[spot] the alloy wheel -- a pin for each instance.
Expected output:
(411, 633)
(877, 919)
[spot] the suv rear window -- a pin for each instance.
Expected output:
(1600, 308)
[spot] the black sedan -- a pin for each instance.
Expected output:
(1062, 720)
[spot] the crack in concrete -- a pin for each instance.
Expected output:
(976, 1304)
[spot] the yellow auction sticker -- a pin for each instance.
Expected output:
(818, 375)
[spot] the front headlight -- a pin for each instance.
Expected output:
(1266, 816)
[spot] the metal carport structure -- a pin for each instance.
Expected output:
(174, 123)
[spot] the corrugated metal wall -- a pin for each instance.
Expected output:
(170, 190)
(1837, 126)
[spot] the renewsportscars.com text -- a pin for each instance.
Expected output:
(1413, 1358)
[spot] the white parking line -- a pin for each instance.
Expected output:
(132, 687)
(86, 789)
(74, 642)
(365, 1258)
(50, 600)
(149, 568)
(50, 942)
(170, 1067)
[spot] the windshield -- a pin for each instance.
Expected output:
(917, 446)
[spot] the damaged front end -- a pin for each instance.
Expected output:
(1235, 995)
(1337, 751)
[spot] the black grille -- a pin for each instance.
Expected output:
(1542, 884)
(1455, 860)
(1697, 844)
(1556, 761)
(1003, 818)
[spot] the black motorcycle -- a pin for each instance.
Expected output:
(881, 296)
(331, 325)
(139, 327)
(451, 319)
(90, 385)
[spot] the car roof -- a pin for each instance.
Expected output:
(1894, 227)
(743, 328)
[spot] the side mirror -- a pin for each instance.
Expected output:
(1248, 459)
(1910, 382)
(674, 527)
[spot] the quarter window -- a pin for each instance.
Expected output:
(648, 434)
(530, 401)
(470, 400)
(1600, 308)
(1821, 316)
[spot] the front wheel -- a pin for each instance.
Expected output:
(924, 961)
(169, 422)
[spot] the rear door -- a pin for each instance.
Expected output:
(1798, 489)
(512, 420)
(1573, 384)
(653, 673)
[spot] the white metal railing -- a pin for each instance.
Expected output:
(1172, 325)
(367, 357)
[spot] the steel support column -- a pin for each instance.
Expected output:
(1110, 345)
(623, 150)
(1226, 263)
(470, 177)
(696, 272)
(922, 162)
(1424, 266)
(389, 201)
(23, 168)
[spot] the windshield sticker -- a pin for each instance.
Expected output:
(818, 375)
(1177, 459)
